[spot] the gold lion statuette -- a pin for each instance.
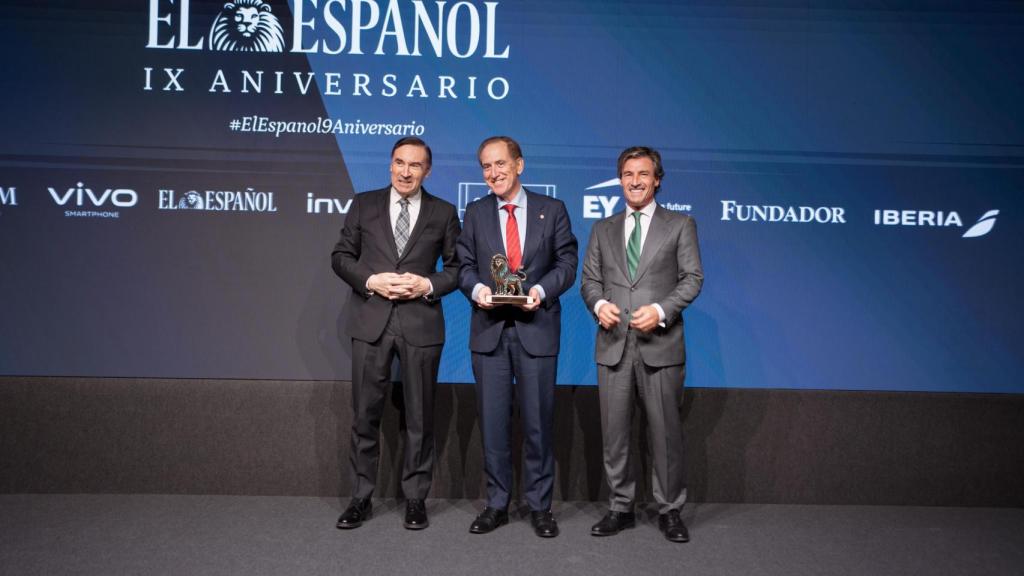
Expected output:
(506, 282)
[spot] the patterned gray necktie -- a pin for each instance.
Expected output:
(402, 227)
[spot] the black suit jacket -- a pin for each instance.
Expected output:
(367, 247)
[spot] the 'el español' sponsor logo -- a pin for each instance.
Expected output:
(248, 200)
(415, 29)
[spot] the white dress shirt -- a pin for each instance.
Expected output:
(519, 199)
(646, 218)
(395, 208)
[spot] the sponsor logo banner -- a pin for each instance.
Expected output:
(85, 202)
(597, 206)
(248, 200)
(8, 196)
(316, 205)
(418, 29)
(936, 219)
(472, 191)
(734, 211)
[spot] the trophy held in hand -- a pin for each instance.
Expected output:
(508, 284)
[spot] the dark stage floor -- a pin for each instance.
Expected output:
(194, 535)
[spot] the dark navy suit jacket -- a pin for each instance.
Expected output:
(549, 259)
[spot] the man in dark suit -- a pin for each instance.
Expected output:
(641, 269)
(515, 343)
(388, 253)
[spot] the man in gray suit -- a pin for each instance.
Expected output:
(642, 268)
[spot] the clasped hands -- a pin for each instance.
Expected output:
(485, 291)
(645, 318)
(392, 286)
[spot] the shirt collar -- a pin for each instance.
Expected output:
(520, 199)
(414, 199)
(646, 210)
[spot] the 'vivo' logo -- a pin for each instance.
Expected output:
(121, 197)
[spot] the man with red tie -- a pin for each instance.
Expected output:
(515, 347)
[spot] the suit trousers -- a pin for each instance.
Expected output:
(371, 377)
(661, 392)
(534, 385)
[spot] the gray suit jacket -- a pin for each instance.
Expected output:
(669, 274)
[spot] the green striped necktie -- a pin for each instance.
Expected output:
(633, 246)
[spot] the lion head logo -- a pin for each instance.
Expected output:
(247, 26)
(192, 200)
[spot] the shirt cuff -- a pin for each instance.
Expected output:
(598, 305)
(539, 289)
(661, 314)
(476, 290)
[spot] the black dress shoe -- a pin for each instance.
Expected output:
(613, 523)
(488, 520)
(360, 509)
(416, 515)
(544, 524)
(672, 527)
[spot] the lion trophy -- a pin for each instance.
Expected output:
(247, 26)
(506, 282)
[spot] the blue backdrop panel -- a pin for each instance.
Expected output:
(173, 175)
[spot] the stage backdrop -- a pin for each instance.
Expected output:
(173, 175)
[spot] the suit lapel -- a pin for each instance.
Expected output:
(617, 231)
(426, 206)
(384, 207)
(656, 236)
(534, 227)
(492, 226)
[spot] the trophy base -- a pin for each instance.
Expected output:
(517, 300)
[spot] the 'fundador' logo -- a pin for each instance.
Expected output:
(247, 26)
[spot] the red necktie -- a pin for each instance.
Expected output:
(512, 250)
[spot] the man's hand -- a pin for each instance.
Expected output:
(608, 315)
(384, 284)
(535, 294)
(645, 319)
(398, 286)
(410, 286)
(481, 298)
